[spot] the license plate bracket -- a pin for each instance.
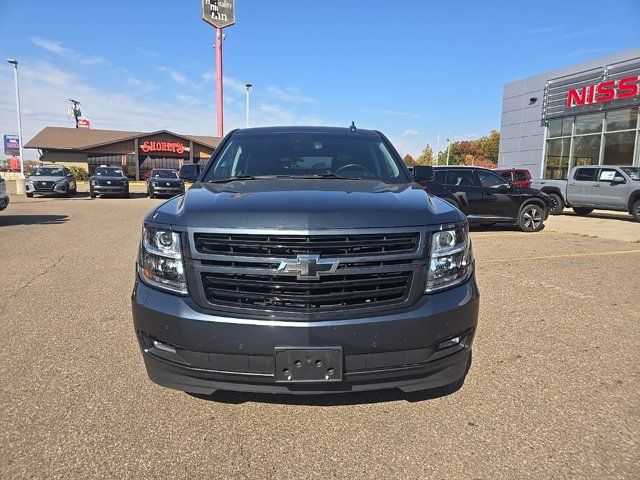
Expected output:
(308, 365)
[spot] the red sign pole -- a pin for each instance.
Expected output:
(219, 81)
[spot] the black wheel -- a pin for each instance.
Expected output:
(126, 195)
(30, 195)
(556, 204)
(92, 194)
(531, 218)
(3, 204)
(635, 210)
(582, 211)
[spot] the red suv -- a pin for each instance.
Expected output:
(520, 177)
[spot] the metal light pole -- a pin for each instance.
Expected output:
(437, 148)
(448, 145)
(15, 71)
(248, 87)
(219, 38)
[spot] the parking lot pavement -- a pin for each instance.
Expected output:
(600, 223)
(553, 391)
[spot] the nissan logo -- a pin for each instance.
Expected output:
(307, 267)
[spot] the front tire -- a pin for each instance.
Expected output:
(29, 195)
(556, 204)
(92, 194)
(582, 211)
(635, 210)
(531, 218)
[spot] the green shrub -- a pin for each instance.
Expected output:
(79, 174)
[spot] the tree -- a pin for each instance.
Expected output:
(491, 145)
(426, 157)
(409, 161)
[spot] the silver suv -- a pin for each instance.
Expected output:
(4, 198)
(593, 187)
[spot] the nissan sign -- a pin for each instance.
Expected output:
(603, 92)
(219, 13)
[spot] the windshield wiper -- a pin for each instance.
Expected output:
(231, 179)
(328, 175)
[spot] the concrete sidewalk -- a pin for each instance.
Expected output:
(601, 223)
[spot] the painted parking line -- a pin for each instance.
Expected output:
(564, 255)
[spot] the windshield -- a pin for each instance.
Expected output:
(307, 155)
(48, 172)
(633, 172)
(109, 172)
(164, 174)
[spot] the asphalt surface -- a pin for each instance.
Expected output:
(553, 391)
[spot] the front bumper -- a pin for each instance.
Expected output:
(58, 189)
(167, 190)
(208, 352)
(110, 189)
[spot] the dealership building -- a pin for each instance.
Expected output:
(585, 114)
(135, 152)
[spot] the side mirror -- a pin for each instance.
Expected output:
(618, 180)
(423, 173)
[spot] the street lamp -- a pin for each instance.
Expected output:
(248, 87)
(448, 145)
(15, 71)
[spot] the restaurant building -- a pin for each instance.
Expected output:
(585, 114)
(135, 152)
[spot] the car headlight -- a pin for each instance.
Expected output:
(160, 262)
(451, 260)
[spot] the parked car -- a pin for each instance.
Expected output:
(311, 263)
(189, 172)
(520, 177)
(487, 198)
(164, 181)
(4, 198)
(595, 187)
(108, 181)
(50, 180)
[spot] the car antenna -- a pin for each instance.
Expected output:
(353, 126)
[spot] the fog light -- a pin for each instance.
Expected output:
(163, 346)
(452, 342)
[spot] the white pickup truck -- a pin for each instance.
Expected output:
(595, 187)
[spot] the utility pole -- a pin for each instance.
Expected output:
(219, 39)
(20, 139)
(248, 87)
(448, 146)
(437, 148)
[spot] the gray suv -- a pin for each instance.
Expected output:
(305, 260)
(50, 180)
(595, 187)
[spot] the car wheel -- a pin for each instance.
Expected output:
(29, 195)
(635, 210)
(531, 218)
(3, 204)
(556, 204)
(582, 211)
(92, 194)
(126, 195)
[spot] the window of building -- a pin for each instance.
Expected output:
(591, 123)
(586, 150)
(557, 161)
(625, 119)
(618, 148)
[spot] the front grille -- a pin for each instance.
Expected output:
(44, 185)
(113, 183)
(331, 292)
(288, 246)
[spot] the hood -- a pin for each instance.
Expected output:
(308, 204)
(46, 178)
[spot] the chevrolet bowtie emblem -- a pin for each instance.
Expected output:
(308, 267)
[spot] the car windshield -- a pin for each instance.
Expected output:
(307, 155)
(109, 172)
(48, 172)
(633, 172)
(164, 174)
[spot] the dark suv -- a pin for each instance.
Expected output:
(305, 260)
(487, 198)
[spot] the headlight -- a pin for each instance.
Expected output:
(451, 260)
(160, 261)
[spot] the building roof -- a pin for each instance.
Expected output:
(64, 138)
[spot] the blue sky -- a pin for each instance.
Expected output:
(412, 69)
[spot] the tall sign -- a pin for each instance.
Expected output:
(220, 14)
(12, 145)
